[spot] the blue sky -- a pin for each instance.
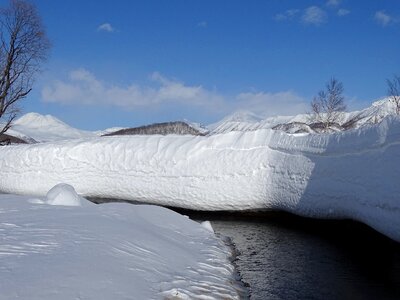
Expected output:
(127, 63)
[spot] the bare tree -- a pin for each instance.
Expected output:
(23, 48)
(394, 92)
(328, 106)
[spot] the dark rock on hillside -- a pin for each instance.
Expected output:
(320, 127)
(299, 127)
(293, 127)
(180, 128)
(6, 139)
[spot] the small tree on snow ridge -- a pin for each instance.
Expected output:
(328, 106)
(394, 92)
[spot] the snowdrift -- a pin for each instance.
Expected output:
(352, 174)
(111, 251)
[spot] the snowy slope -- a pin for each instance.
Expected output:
(45, 128)
(34, 127)
(352, 174)
(246, 121)
(110, 251)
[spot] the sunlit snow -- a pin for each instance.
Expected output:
(109, 251)
(352, 174)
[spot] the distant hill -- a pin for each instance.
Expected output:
(246, 121)
(36, 128)
(180, 128)
(45, 128)
(8, 139)
(33, 128)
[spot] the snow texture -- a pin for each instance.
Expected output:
(352, 174)
(109, 251)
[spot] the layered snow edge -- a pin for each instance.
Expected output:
(352, 174)
(110, 251)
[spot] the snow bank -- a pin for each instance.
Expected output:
(353, 174)
(109, 251)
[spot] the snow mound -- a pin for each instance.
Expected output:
(352, 174)
(109, 251)
(63, 194)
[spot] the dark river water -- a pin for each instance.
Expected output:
(286, 257)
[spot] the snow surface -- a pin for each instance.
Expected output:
(352, 174)
(109, 251)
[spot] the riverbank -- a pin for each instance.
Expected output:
(64, 247)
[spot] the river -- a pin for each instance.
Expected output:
(281, 256)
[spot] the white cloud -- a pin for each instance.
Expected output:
(202, 24)
(271, 104)
(333, 3)
(343, 12)
(383, 18)
(106, 27)
(83, 88)
(314, 15)
(287, 15)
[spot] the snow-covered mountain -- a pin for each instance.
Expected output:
(247, 121)
(44, 128)
(34, 127)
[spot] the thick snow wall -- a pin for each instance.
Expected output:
(351, 174)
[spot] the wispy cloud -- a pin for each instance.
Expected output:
(314, 15)
(382, 18)
(272, 104)
(106, 27)
(202, 24)
(287, 15)
(83, 88)
(343, 12)
(333, 3)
